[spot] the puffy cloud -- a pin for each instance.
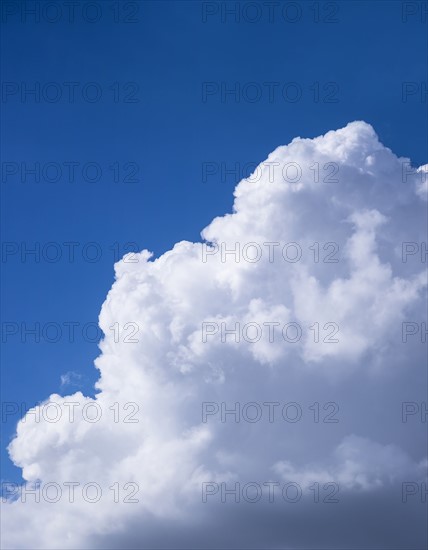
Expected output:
(359, 464)
(422, 186)
(315, 321)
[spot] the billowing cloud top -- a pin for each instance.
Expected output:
(301, 311)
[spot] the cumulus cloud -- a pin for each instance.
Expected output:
(357, 464)
(308, 310)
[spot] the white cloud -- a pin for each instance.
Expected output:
(358, 464)
(71, 378)
(367, 213)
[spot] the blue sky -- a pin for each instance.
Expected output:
(169, 133)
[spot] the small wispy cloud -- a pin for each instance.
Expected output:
(71, 378)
